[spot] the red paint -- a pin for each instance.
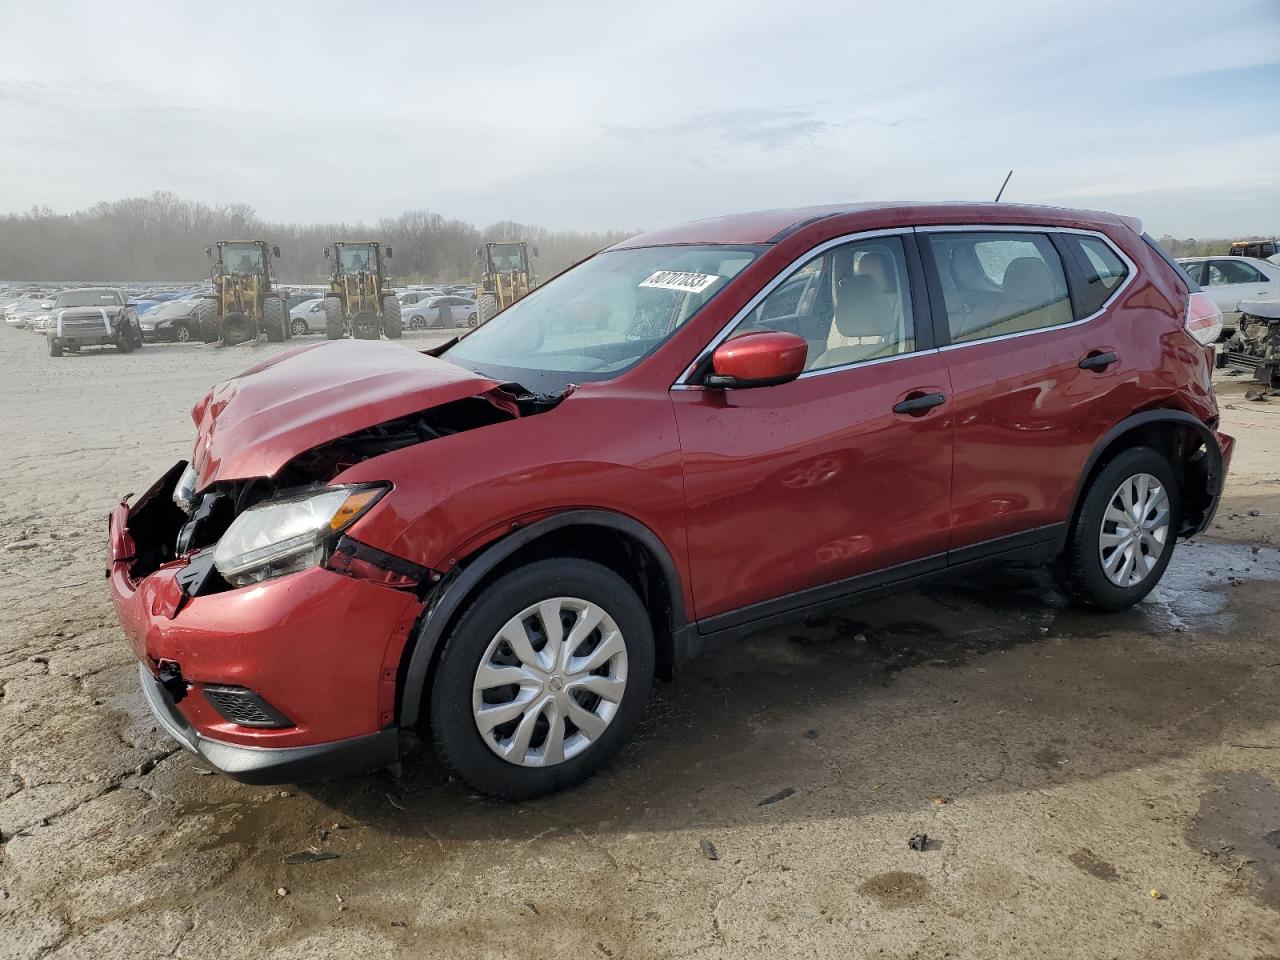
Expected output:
(755, 493)
(761, 357)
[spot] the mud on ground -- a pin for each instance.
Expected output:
(1092, 786)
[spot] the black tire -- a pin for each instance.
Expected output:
(124, 342)
(298, 327)
(335, 326)
(417, 322)
(1080, 568)
(392, 328)
(55, 348)
(238, 328)
(486, 308)
(471, 319)
(206, 318)
(273, 320)
(453, 728)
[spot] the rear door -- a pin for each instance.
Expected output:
(795, 490)
(1039, 373)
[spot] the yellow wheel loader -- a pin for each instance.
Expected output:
(360, 303)
(244, 303)
(506, 276)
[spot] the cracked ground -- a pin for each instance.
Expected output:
(1091, 786)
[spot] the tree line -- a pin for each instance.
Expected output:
(163, 237)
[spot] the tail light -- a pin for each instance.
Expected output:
(1204, 319)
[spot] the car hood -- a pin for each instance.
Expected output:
(254, 424)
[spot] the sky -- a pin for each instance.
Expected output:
(633, 116)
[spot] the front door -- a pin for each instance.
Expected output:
(793, 489)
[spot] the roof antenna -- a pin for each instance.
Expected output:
(1002, 186)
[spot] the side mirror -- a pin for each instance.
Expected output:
(388, 253)
(761, 359)
(208, 252)
(535, 252)
(275, 252)
(479, 252)
(326, 253)
(46, 306)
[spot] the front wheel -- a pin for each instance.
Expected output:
(55, 348)
(298, 326)
(392, 327)
(1124, 531)
(273, 320)
(543, 679)
(335, 325)
(486, 308)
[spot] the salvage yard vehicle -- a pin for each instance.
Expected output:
(92, 317)
(503, 540)
(1255, 345)
(427, 314)
(359, 302)
(506, 276)
(171, 320)
(244, 303)
(1228, 280)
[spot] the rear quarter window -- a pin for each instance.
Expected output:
(1099, 270)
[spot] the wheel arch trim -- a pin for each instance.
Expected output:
(453, 592)
(1147, 418)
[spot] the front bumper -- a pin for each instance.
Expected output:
(317, 761)
(320, 647)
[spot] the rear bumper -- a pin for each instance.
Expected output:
(270, 764)
(1216, 484)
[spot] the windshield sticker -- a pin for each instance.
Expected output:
(686, 282)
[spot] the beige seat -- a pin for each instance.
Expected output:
(865, 315)
(1030, 301)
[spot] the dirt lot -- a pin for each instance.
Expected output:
(1068, 766)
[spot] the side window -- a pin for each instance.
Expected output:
(1099, 267)
(851, 303)
(1194, 270)
(1233, 271)
(999, 283)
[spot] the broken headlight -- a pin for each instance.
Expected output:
(184, 494)
(286, 535)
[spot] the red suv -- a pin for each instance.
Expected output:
(695, 433)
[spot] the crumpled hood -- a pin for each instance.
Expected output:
(254, 424)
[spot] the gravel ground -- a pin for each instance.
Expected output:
(1093, 786)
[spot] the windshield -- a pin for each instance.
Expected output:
(600, 318)
(505, 257)
(241, 258)
(356, 258)
(88, 298)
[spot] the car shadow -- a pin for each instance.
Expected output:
(981, 684)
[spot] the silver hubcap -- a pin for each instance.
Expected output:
(1135, 529)
(550, 682)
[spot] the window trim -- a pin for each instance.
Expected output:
(942, 327)
(921, 301)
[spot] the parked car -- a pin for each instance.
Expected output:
(92, 317)
(23, 313)
(173, 320)
(307, 317)
(504, 540)
(1228, 280)
(426, 314)
(409, 297)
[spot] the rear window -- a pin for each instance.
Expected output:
(1099, 267)
(999, 283)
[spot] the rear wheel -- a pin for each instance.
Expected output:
(542, 679)
(486, 308)
(273, 320)
(417, 322)
(334, 324)
(1124, 531)
(391, 325)
(298, 327)
(182, 333)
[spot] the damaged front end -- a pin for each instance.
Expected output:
(1255, 346)
(262, 622)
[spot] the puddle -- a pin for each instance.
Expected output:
(1238, 827)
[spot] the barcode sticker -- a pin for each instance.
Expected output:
(674, 280)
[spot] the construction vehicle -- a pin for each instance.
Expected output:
(359, 302)
(244, 304)
(506, 276)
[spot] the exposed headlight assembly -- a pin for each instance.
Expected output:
(184, 494)
(286, 535)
